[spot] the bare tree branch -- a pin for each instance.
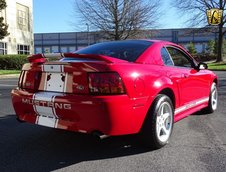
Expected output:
(197, 11)
(118, 19)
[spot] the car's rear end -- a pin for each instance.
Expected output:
(79, 93)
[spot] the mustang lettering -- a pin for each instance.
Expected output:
(46, 104)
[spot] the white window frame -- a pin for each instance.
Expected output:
(3, 48)
(23, 49)
(23, 17)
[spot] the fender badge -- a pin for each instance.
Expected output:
(80, 87)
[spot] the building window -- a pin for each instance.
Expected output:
(72, 49)
(55, 49)
(38, 50)
(23, 49)
(3, 48)
(23, 17)
(63, 49)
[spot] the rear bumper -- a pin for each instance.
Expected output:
(110, 115)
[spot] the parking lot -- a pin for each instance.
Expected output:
(198, 144)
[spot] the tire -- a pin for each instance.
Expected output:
(158, 125)
(213, 99)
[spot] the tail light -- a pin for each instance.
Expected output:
(31, 80)
(106, 83)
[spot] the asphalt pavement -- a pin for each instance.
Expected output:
(198, 144)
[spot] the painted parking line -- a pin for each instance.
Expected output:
(7, 80)
(7, 85)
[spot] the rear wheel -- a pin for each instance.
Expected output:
(213, 99)
(158, 126)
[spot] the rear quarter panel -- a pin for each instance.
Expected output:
(143, 82)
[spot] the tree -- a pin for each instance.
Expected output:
(191, 48)
(3, 26)
(118, 19)
(224, 46)
(197, 12)
(210, 47)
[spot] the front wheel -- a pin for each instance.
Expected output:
(158, 126)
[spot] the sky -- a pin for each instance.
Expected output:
(52, 16)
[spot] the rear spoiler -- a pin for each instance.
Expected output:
(42, 58)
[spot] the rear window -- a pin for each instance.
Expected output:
(128, 50)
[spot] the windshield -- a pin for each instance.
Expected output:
(128, 50)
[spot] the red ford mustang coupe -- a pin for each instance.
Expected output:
(115, 88)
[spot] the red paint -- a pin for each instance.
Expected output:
(135, 87)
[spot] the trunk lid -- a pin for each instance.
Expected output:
(70, 74)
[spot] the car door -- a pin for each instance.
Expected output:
(193, 85)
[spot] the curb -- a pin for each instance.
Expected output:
(9, 76)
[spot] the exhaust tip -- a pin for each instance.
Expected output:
(19, 120)
(99, 135)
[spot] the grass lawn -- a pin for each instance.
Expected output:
(217, 66)
(7, 72)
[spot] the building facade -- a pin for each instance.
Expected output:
(72, 41)
(65, 42)
(19, 16)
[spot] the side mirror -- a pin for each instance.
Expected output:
(202, 65)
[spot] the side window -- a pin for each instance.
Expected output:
(179, 58)
(166, 57)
